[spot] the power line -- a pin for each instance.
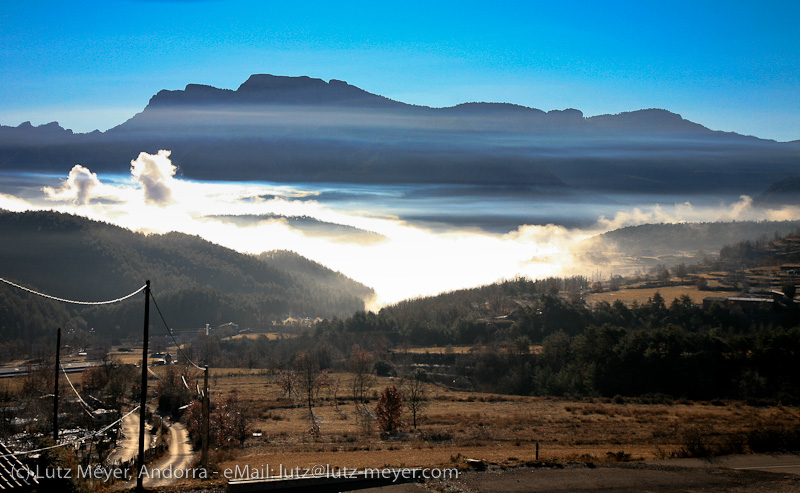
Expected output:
(64, 300)
(86, 407)
(72, 442)
(169, 331)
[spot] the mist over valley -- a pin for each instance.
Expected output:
(409, 200)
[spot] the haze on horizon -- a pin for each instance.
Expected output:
(727, 65)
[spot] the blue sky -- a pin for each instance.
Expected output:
(728, 65)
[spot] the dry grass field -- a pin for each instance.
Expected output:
(669, 293)
(457, 425)
(760, 278)
(496, 428)
(272, 336)
(436, 350)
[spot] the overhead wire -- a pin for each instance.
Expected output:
(86, 407)
(74, 302)
(98, 401)
(71, 442)
(169, 331)
(117, 300)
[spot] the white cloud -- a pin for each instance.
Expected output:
(78, 187)
(156, 175)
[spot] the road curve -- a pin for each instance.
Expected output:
(128, 446)
(177, 464)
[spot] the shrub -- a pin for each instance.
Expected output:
(389, 410)
(383, 368)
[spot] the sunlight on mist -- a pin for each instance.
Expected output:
(410, 262)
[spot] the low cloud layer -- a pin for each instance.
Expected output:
(13, 204)
(412, 261)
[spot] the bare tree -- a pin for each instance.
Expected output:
(309, 382)
(334, 388)
(361, 366)
(307, 371)
(415, 394)
(363, 379)
(287, 382)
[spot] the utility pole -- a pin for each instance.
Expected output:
(55, 387)
(204, 427)
(143, 402)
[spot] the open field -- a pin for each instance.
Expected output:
(436, 350)
(494, 428)
(272, 336)
(720, 284)
(669, 293)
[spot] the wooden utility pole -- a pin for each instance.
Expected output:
(204, 427)
(143, 401)
(55, 387)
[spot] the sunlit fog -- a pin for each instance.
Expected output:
(398, 257)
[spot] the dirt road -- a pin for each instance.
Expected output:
(128, 444)
(177, 465)
(172, 468)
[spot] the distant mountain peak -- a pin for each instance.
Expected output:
(649, 119)
(272, 89)
(26, 131)
(269, 82)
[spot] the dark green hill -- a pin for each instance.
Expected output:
(682, 238)
(783, 192)
(194, 281)
(311, 272)
(309, 226)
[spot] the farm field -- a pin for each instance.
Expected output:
(641, 295)
(494, 428)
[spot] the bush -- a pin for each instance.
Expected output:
(384, 369)
(699, 442)
(435, 435)
(389, 410)
(774, 439)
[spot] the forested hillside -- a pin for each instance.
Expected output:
(541, 338)
(669, 239)
(194, 281)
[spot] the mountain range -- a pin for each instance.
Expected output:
(301, 129)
